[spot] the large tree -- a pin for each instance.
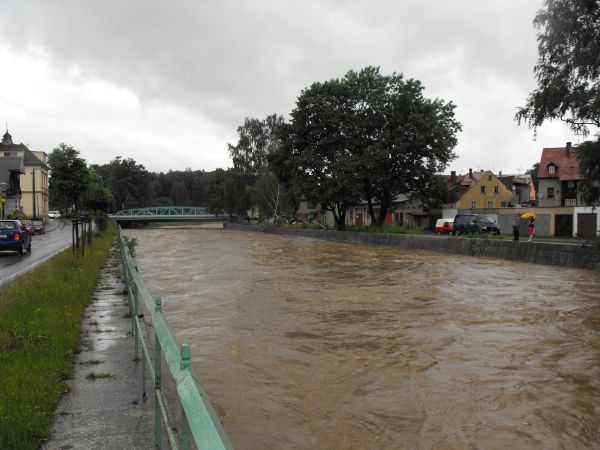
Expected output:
(320, 147)
(69, 177)
(568, 77)
(369, 136)
(257, 139)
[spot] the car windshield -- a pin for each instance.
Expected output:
(461, 220)
(7, 225)
(488, 220)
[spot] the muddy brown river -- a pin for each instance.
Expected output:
(306, 344)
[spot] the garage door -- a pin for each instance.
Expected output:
(586, 225)
(563, 225)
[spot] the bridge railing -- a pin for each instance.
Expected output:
(199, 419)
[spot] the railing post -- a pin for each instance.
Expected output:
(136, 332)
(157, 387)
(186, 364)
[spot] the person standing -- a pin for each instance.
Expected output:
(516, 229)
(531, 228)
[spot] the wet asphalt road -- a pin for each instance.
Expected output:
(57, 237)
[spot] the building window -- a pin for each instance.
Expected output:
(490, 204)
(571, 184)
(502, 204)
(311, 205)
(473, 205)
(551, 168)
(550, 192)
(490, 177)
(483, 189)
(496, 190)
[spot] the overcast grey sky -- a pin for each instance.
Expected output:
(168, 82)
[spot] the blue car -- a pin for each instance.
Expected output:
(14, 236)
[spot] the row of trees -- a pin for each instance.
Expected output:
(123, 184)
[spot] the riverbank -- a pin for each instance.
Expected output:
(550, 253)
(40, 320)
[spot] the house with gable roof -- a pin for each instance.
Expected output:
(483, 190)
(559, 177)
(28, 195)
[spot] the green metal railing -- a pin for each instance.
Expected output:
(199, 419)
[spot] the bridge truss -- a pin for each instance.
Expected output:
(179, 211)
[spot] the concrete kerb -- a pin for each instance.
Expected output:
(31, 267)
(548, 253)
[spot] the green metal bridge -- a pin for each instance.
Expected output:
(167, 213)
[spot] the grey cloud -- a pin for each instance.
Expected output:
(230, 59)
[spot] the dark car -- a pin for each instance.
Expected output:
(14, 236)
(38, 226)
(466, 223)
(475, 223)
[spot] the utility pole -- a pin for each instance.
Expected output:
(33, 184)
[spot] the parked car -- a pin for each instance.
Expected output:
(38, 226)
(54, 214)
(488, 225)
(466, 223)
(444, 226)
(475, 223)
(14, 236)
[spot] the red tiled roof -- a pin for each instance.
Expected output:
(567, 166)
(467, 180)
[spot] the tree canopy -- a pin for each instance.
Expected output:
(69, 177)
(568, 66)
(368, 136)
(257, 139)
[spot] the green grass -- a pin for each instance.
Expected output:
(40, 317)
(392, 228)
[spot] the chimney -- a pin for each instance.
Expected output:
(568, 149)
(453, 176)
(470, 173)
(500, 173)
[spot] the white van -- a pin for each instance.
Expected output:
(54, 214)
(444, 226)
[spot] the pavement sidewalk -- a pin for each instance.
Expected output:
(104, 408)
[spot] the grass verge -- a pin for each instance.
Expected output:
(40, 317)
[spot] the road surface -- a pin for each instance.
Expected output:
(57, 238)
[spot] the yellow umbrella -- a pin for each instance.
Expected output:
(528, 215)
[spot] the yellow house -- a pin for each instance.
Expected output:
(483, 189)
(34, 182)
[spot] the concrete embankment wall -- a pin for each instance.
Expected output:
(558, 254)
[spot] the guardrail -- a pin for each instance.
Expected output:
(199, 419)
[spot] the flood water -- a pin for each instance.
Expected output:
(306, 344)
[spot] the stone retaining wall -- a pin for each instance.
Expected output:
(558, 254)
